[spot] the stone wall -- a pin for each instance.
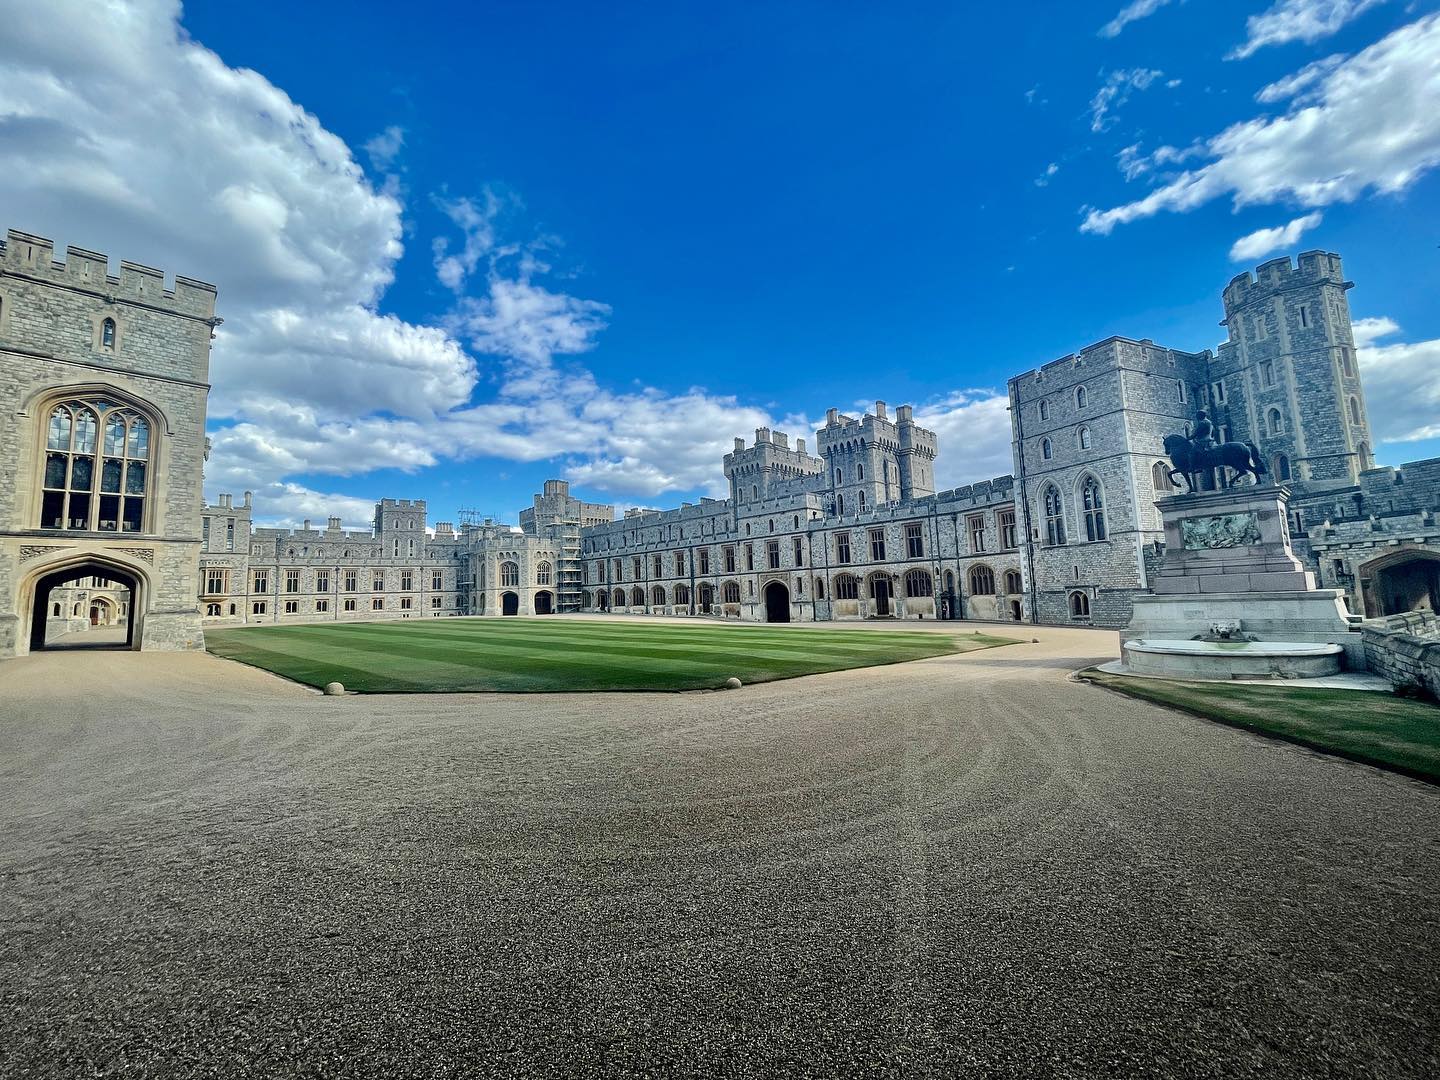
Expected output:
(1405, 649)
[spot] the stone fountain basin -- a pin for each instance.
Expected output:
(1233, 659)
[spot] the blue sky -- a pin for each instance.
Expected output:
(468, 248)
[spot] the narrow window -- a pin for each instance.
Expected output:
(107, 334)
(1047, 451)
(1092, 499)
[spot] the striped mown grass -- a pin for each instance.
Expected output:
(555, 653)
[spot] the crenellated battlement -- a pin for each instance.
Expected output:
(1311, 268)
(27, 255)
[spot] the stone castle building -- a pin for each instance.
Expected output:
(107, 378)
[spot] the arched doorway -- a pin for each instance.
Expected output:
(777, 602)
(1406, 579)
(544, 603)
(79, 574)
(881, 592)
(509, 603)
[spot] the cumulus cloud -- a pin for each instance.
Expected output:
(973, 428)
(1132, 12)
(1298, 20)
(1358, 131)
(1262, 242)
(1402, 382)
(382, 149)
(1115, 91)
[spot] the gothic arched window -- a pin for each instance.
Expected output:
(1354, 410)
(1274, 422)
(918, 583)
(1282, 467)
(1044, 410)
(1092, 500)
(1082, 437)
(1054, 517)
(542, 574)
(1047, 450)
(1013, 583)
(982, 581)
(107, 334)
(509, 574)
(97, 468)
(1079, 605)
(1160, 477)
(1082, 397)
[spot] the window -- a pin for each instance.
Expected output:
(1305, 315)
(509, 575)
(1160, 479)
(682, 595)
(847, 587)
(914, 541)
(1281, 467)
(1047, 449)
(1355, 410)
(292, 607)
(1082, 438)
(704, 561)
(859, 472)
(619, 565)
(78, 495)
(1054, 517)
(749, 556)
(730, 592)
(1008, 536)
(754, 491)
(1044, 410)
(840, 503)
(349, 603)
(729, 560)
(1012, 582)
(215, 582)
(799, 552)
(377, 604)
(1093, 502)
(406, 602)
(107, 334)
(1267, 373)
(407, 580)
(437, 601)
(257, 608)
(877, 545)
(1217, 392)
(1274, 423)
(292, 581)
(636, 565)
(1180, 390)
(1347, 360)
(230, 535)
(659, 567)
(437, 580)
(210, 609)
(839, 477)
(842, 547)
(819, 588)
(1079, 605)
(982, 581)
(860, 500)
(352, 580)
(377, 581)
(657, 596)
(205, 533)
(918, 583)
(976, 524)
(322, 581)
(1082, 397)
(679, 563)
(772, 554)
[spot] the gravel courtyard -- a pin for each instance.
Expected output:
(960, 865)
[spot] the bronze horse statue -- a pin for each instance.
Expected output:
(1243, 457)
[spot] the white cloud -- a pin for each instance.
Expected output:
(1044, 178)
(973, 428)
(1402, 382)
(382, 149)
(1138, 9)
(1360, 132)
(1116, 91)
(1298, 84)
(476, 221)
(1298, 20)
(1262, 242)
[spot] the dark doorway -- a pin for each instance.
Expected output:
(1409, 585)
(509, 604)
(72, 580)
(1015, 610)
(777, 602)
(880, 593)
(544, 604)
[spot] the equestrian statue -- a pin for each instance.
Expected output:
(1197, 455)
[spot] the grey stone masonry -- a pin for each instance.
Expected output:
(1405, 649)
(86, 357)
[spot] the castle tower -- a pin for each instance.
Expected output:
(1287, 378)
(754, 471)
(873, 461)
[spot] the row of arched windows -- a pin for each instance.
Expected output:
(510, 574)
(97, 467)
(1083, 441)
(1092, 512)
(1082, 399)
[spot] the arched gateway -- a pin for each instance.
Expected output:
(35, 596)
(777, 602)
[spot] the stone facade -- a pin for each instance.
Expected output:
(103, 379)
(1406, 650)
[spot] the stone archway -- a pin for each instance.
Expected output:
(509, 603)
(1403, 579)
(46, 579)
(777, 602)
(544, 603)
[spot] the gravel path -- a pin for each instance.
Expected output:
(966, 865)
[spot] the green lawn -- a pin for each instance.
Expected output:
(1379, 729)
(548, 654)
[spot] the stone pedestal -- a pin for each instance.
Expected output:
(1228, 561)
